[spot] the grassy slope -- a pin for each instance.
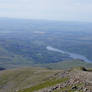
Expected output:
(47, 83)
(20, 78)
(11, 80)
(58, 80)
(33, 79)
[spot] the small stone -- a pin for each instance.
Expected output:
(75, 87)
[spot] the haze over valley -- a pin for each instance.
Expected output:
(24, 42)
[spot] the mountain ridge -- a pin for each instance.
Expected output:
(33, 79)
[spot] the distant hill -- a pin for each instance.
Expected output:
(67, 64)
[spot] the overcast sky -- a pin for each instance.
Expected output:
(68, 10)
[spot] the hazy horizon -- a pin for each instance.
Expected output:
(59, 10)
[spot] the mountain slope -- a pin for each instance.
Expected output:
(45, 80)
(76, 80)
(15, 79)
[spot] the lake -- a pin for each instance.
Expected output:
(72, 55)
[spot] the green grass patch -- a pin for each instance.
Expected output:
(48, 83)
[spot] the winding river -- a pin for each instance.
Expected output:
(72, 55)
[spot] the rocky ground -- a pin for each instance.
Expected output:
(79, 81)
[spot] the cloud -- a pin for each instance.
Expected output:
(78, 10)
